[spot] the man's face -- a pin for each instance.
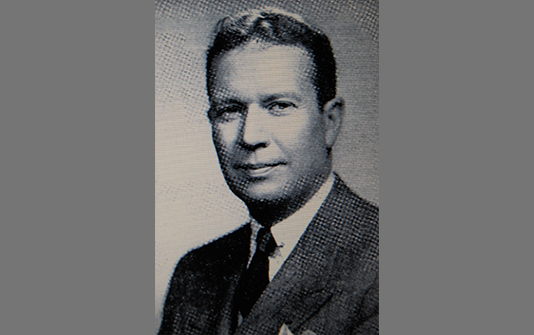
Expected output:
(267, 126)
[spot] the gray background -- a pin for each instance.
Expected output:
(77, 145)
(193, 203)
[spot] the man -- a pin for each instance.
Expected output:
(307, 262)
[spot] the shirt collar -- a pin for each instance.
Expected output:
(288, 231)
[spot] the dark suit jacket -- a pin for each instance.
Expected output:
(328, 284)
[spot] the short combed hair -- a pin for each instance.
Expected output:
(279, 28)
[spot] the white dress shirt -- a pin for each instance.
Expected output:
(288, 231)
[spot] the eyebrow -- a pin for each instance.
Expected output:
(265, 100)
(282, 95)
(229, 101)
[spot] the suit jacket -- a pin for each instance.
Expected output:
(328, 284)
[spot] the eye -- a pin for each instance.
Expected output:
(281, 107)
(225, 113)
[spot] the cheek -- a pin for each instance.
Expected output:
(225, 137)
(300, 137)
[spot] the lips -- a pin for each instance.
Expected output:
(258, 170)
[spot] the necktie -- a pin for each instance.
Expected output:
(256, 277)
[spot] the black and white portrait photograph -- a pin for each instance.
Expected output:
(283, 132)
(266, 157)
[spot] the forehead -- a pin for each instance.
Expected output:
(266, 68)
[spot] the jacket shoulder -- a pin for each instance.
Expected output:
(218, 253)
(352, 205)
(201, 280)
(351, 216)
(348, 224)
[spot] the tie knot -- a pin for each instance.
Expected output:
(265, 241)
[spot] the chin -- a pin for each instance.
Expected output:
(261, 193)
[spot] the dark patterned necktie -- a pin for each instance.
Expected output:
(256, 277)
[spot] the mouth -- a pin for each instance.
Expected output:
(258, 170)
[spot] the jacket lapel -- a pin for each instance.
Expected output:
(211, 311)
(239, 252)
(300, 288)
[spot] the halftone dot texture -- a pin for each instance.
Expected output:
(329, 232)
(365, 12)
(189, 184)
(338, 250)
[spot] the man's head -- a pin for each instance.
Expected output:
(278, 28)
(273, 126)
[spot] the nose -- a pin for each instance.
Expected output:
(254, 133)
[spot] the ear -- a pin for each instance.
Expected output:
(333, 118)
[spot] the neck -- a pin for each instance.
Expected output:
(269, 213)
